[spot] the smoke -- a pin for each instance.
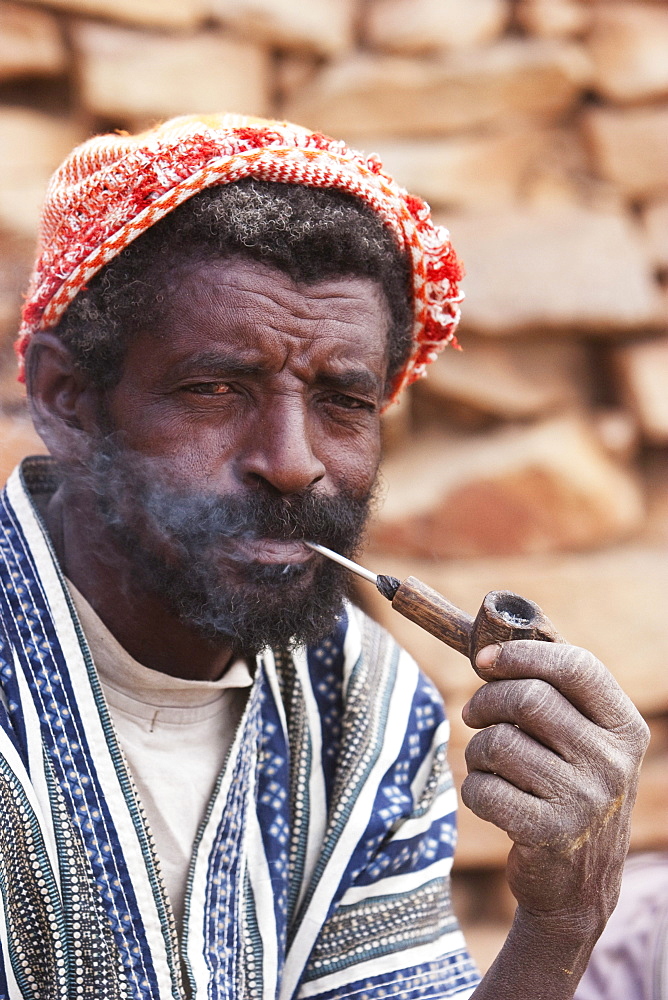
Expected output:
(187, 547)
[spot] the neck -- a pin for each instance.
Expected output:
(141, 621)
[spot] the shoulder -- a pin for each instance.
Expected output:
(380, 680)
(364, 653)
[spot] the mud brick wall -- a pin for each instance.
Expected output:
(537, 460)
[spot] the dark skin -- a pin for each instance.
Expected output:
(249, 385)
(257, 382)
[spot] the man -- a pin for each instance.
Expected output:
(219, 778)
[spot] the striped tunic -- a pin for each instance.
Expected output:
(320, 870)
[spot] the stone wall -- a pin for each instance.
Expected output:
(537, 459)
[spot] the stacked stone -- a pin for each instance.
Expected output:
(537, 460)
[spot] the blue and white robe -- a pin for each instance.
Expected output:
(321, 868)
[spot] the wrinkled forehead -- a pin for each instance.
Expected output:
(238, 317)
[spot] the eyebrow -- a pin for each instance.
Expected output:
(360, 380)
(217, 363)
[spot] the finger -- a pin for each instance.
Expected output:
(526, 818)
(561, 821)
(506, 751)
(540, 711)
(575, 672)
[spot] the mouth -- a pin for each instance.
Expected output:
(271, 552)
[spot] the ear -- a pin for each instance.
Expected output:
(63, 404)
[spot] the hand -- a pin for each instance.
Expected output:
(556, 766)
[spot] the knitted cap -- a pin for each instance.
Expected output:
(114, 187)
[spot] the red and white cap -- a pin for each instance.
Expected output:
(114, 187)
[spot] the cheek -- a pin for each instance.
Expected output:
(353, 465)
(187, 441)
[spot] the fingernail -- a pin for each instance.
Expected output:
(486, 658)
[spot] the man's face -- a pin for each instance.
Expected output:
(247, 422)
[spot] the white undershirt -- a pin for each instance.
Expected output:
(175, 734)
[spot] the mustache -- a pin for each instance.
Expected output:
(202, 519)
(197, 519)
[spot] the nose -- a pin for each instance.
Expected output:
(280, 450)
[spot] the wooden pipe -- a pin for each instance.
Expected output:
(503, 615)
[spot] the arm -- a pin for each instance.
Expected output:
(556, 766)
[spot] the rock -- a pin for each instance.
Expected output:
(544, 488)
(484, 906)
(12, 392)
(16, 257)
(30, 43)
(553, 18)
(629, 46)
(324, 27)
(412, 27)
(629, 148)
(482, 896)
(142, 76)
(484, 940)
(396, 422)
(642, 372)
(293, 71)
(650, 813)
(10, 308)
(32, 145)
(617, 430)
(478, 171)
(656, 227)
(555, 269)
(655, 471)
(177, 14)
(389, 95)
(507, 381)
(18, 439)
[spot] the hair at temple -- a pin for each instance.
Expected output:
(310, 233)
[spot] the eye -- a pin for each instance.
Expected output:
(207, 388)
(346, 402)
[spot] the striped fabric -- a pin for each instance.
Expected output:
(321, 868)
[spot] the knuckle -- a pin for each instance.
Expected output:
(591, 802)
(474, 753)
(595, 801)
(534, 697)
(619, 771)
(575, 666)
(471, 790)
(486, 750)
(632, 734)
(572, 830)
(500, 741)
(636, 736)
(476, 703)
(539, 827)
(483, 794)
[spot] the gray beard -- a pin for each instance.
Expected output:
(172, 537)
